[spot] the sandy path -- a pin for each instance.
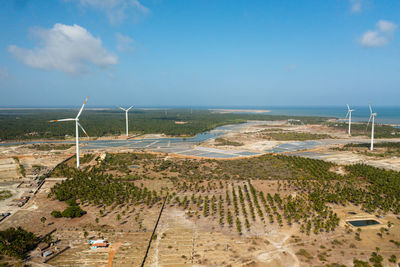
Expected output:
(114, 248)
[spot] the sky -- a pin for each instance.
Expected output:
(199, 53)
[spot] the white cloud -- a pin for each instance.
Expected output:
(117, 10)
(124, 43)
(373, 39)
(356, 6)
(70, 49)
(380, 36)
(3, 73)
(386, 26)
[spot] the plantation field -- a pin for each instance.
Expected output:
(271, 210)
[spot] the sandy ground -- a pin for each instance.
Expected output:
(198, 241)
(184, 240)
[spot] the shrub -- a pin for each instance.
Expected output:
(56, 214)
(72, 212)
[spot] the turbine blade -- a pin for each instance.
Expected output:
(348, 108)
(122, 108)
(80, 111)
(370, 108)
(347, 114)
(82, 129)
(130, 107)
(61, 120)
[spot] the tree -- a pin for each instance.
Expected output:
(43, 219)
(72, 212)
(17, 242)
(359, 263)
(393, 258)
(56, 214)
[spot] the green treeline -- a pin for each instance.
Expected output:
(369, 187)
(381, 131)
(16, 242)
(32, 124)
(395, 145)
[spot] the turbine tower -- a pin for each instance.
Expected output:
(77, 124)
(373, 126)
(349, 115)
(126, 117)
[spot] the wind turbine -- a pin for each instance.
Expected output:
(126, 117)
(373, 126)
(349, 115)
(77, 124)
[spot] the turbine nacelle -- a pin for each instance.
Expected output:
(77, 126)
(126, 117)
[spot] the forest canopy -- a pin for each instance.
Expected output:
(28, 124)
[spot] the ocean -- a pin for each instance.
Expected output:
(385, 114)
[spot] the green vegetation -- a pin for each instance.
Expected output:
(394, 145)
(56, 214)
(376, 259)
(359, 263)
(20, 166)
(111, 184)
(96, 188)
(72, 211)
(381, 149)
(48, 147)
(17, 242)
(4, 194)
(381, 131)
(288, 136)
(30, 124)
(86, 158)
(305, 253)
(225, 142)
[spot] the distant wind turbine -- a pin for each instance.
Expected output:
(373, 126)
(77, 124)
(126, 117)
(349, 115)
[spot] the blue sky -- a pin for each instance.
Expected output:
(199, 53)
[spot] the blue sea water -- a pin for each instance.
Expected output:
(385, 115)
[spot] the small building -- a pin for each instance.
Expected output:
(97, 241)
(99, 245)
(47, 253)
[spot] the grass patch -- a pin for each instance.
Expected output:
(4, 194)
(304, 253)
(48, 147)
(384, 149)
(357, 129)
(293, 136)
(225, 142)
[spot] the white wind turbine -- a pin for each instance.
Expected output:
(373, 126)
(77, 124)
(349, 115)
(126, 117)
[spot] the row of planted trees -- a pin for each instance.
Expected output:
(242, 203)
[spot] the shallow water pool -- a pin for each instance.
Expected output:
(359, 223)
